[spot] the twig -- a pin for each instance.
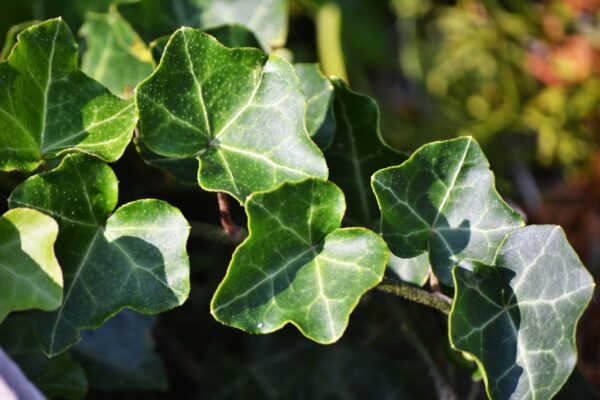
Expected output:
(231, 228)
(404, 290)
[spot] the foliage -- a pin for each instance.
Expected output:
(219, 107)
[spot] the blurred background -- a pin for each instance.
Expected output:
(522, 77)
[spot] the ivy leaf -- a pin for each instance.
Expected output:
(266, 18)
(318, 90)
(115, 55)
(443, 200)
(412, 270)
(48, 107)
(357, 152)
(57, 377)
(184, 169)
(119, 355)
(240, 112)
(518, 318)
(30, 276)
(229, 35)
(297, 266)
(136, 258)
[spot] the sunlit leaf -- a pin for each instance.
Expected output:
(443, 200)
(297, 266)
(30, 276)
(412, 270)
(240, 112)
(518, 317)
(48, 107)
(133, 257)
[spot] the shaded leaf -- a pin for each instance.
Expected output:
(48, 107)
(30, 276)
(297, 266)
(518, 318)
(59, 376)
(115, 55)
(443, 200)
(318, 91)
(119, 355)
(240, 112)
(357, 151)
(135, 258)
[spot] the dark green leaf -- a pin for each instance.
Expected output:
(358, 150)
(518, 318)
(119, 355)
(11, 37)
(30, 276)
(297, 266)
(240, 112)
(48, 107)
(135, 258)
(443, 200)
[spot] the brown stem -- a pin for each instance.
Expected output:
(231, 228)
(409, 292)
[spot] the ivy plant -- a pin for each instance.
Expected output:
(330, 208)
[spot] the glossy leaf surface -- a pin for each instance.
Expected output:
(297, 266)
(443, 200)
(48, 107)
(135, 258)
(30, 276)
(518, 318)
(357, 152)
(240, 112)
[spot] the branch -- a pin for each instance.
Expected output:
(409, 292)
(231, 228)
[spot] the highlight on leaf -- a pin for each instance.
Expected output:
(518, 316)
(48, 107)
(30, 277)
(297, 266)
(442, 200)
(240, 112)
(110, 259)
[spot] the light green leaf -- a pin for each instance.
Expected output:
(318, 90)
(266, 18)
(135, 258)
(240, 112)
(119, 355)
(358, 150)
(30, 276)
(48, 107)
(115, 55)
(57, 377)
(412, 270)
(297, 266)
(518, 318)
(442, 200)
